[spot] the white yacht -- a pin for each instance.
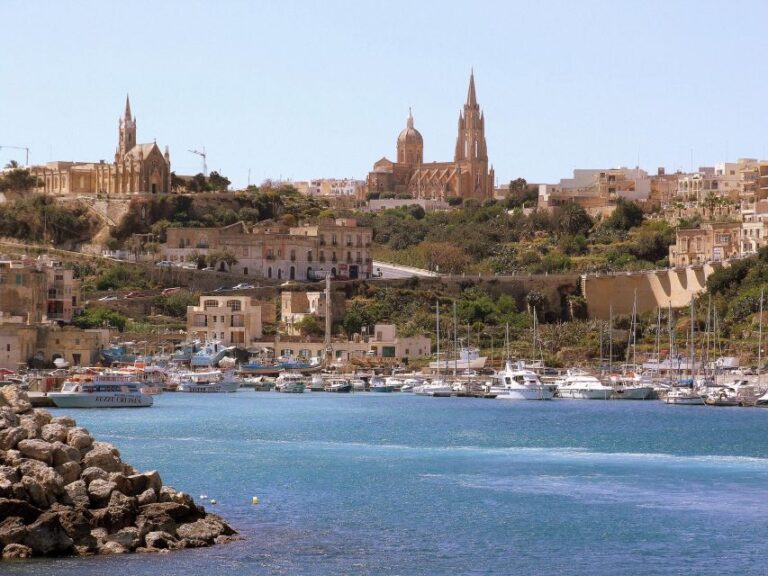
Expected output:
(409, 384)
(518, 383)
(436, 388)
(632, 386)
(379, 384)
(684, 395)
(209, 381)
(108, 391)
(579, 385)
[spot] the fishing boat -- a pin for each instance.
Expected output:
(209, 381)
(684, 395)
(290, 383)
(103, 391)
(338, 385)
(580, 385)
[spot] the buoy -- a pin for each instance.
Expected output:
(255, 500)
(203, 496)
(213, 501)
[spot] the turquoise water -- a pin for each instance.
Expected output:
(397, 484)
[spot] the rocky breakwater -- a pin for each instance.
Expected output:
(63, 493)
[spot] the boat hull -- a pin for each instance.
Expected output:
(97, 400)
(526, 393)
(382, 388)
(638, 393)
(584, 394)
(215, 388)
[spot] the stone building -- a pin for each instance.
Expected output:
(136, 168)
(468, 176)
(234, 320)
(713, 242)
(297, 305)
(339, 247)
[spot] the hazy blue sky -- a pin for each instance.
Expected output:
(321, 89)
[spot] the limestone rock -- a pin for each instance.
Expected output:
(76, 494)
(53, 433)
(64, 453)
(12, 531)
(141, 482)
(104, 458)
(112, 547)
(13, 457)
(99, 492)
(37, 449)
(76, 523)
(8, 418)
(92, 473)
(17, 552)
(48, 477)
(69, 472)
(10, 437)
(80, 439)
(30, 424)
(123, 484)
(66, 421)
(205, 530)
(20, 508)
(38, 495)
(147, 497)
(16, 398)
(128, 538)
(47, 536)
(160, 540)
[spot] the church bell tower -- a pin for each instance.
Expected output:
(126, 132)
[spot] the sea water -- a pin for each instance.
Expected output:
(399, 484)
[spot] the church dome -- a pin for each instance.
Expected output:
(410, 135)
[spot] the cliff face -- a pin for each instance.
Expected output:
(63, 493)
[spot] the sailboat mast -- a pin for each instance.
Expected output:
(455, 340)
(692, 358)
(760, 338)
(437, 320)
(610, 339)
(658, 342)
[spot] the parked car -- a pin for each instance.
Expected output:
(189, 266)
(107, 298)
(170, 291)
(243, 286)
(209, 269)
(165, 264)
(134, 294)
(223, 289)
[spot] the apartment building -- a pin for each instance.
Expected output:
(234, 320)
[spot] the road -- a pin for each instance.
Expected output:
(390, 271)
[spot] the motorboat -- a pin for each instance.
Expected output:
(103, 391)
(437, 388)
(339, 385)
(316, 383)
(409, 384)
(394, 382)
(209, 381)
(684, 395)
(631, 386)
(290, 383)
(358, 384)
(379, 384)
(580, 385)
(518, 383)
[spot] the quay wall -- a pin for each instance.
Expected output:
(656, 289)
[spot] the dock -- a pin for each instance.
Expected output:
(40, 400)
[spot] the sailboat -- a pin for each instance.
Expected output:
(632, 384)
(684, 392)
(436, 387)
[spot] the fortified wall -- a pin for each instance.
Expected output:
(658, 289)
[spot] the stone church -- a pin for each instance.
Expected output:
(468, 176)
(136, 168)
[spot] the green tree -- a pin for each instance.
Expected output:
(572, 219)
(218, 182)
(626, 215)
(18, 179)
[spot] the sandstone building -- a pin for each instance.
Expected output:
(136, 168)
(468, 176)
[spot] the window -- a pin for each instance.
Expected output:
(234, 305)
(210, 304)
(7, 347)
(238, 321)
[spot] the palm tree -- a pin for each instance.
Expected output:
(12, 165)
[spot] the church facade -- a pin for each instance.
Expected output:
(137, 168)
(468, 176)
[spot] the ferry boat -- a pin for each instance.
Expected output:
(579, 385)
(210, 381)
(104, 391)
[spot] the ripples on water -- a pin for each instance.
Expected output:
(396, 484)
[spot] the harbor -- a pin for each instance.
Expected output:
(369, 483)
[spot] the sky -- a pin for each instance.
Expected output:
(313, 89)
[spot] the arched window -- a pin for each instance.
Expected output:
(292, 273)
(234, 305)
(279, 273)
(210, 304)
(269, 272)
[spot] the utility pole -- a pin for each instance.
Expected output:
(26, 150)
(204, 156)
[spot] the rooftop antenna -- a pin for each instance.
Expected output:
(204, 156)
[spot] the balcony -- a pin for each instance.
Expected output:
(270, 256)
(359, 260)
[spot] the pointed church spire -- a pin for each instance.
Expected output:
(410, 118)
(127, 115)
(471, 98)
